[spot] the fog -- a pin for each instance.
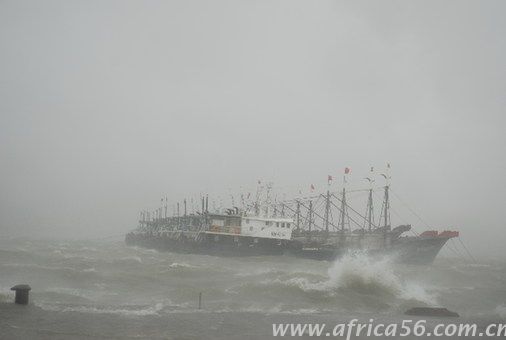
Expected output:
(106, 106)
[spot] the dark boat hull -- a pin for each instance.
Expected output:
(411, 250)
(209, 244)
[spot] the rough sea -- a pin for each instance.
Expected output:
(104, 289)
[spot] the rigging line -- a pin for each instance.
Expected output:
(397, 214)
(315, 214)
(409, 208)
(306, 217)
(450, 248)
(356, 212)
(306, 198)
(467, 250)
(338, 208)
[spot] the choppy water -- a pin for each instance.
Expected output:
(111, 278)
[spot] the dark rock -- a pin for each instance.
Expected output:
(432, 311)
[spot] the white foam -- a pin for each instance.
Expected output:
(180, 265)
(358, 271)
(152, 310)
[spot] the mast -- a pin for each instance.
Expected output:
(369, 213)
(327, 211)
(178, 218)
(310, 216)
(297, 215)
(385, 209)
(268, 199)
(257, 198)
(344, 211)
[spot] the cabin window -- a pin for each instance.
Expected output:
(277, 224)
(250, 228)
(282, 225)
(288, 225)
(266, 222)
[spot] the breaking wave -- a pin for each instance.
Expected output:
(361, 273)
(354, 280)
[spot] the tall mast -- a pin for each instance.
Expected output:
(178, 218)
(385, 211)
(344, 210)
(297, 215)
(268, 199)
(386, 208)
(327, 211)
(310, 216)
(257, 198)
(327, 205)
(369, 213)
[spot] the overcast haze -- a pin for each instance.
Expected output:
(106, 106)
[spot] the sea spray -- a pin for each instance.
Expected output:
(353, 282)
(361, 273)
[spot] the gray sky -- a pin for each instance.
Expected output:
(105, 106)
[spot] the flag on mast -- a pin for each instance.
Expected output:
(312, 187)
(329, 179)
(347, 170)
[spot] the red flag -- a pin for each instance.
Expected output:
(347, 170)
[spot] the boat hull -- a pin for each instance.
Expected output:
(410, 250)
(209, 244)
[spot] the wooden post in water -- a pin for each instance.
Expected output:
(200, 300)
(21, 294)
